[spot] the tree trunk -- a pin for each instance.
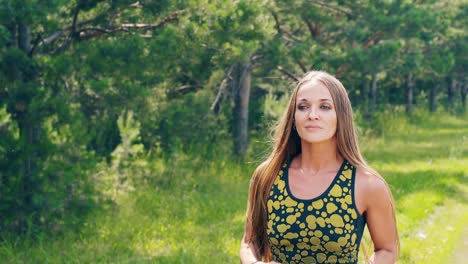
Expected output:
(463, 93)
(30, 131)
(432, 98)
(362, 91)
(28, 125)
(364, 97)
(373, 107)
(24, 38)
(409, 94)
(241, 84)
(451, 86)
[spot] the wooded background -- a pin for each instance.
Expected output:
(93, 94)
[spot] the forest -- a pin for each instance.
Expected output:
(100, 100)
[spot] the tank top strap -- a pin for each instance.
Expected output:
(343, 183)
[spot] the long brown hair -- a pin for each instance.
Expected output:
(286, 145)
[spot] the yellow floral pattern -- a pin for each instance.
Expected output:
(326, 229)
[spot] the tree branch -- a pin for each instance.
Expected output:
(73, 26)
(215, 106)
(314, 30)
(303, 67)
(336, 8)
(34, 45)
(128, 26)
(372, 40)
(57, 34)
(184, 89)
(116, 14)
(369, 42)
(277, 23)
(288, 74)
(95, 31)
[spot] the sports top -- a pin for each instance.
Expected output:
(325, 229)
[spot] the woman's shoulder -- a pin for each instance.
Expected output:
(371, 189)
(259, 171)
(264, 164)
(369, 181)
(261, 167)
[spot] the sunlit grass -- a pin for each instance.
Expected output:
(437, 236)
(193, 212)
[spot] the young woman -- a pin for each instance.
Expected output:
(311, 199)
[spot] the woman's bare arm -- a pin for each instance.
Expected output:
(381, 221)
(247, 252)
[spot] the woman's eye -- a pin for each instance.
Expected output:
(302, 107)
(326, 107)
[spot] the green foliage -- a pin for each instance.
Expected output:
(182, 214)
(95, 108)
(128, 165)
(4, 37)
(68, 166)
(390, 121)
(15, 62)
(176, 126)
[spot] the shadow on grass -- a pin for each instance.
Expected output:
(440, 182)
(405, 148)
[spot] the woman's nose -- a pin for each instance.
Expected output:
(313, 114)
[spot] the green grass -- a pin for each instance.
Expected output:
(194, 211)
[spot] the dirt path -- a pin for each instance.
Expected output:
(460, 255)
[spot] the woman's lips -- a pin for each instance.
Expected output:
(313, 127)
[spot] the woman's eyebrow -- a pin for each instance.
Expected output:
(323, 99)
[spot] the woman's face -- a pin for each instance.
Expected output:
(315, 115)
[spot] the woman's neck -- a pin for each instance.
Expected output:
(319, 156)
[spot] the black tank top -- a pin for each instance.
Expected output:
(325, 229)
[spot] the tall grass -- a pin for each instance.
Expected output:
(193, 210)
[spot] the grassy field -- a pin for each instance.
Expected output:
(194, 212)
